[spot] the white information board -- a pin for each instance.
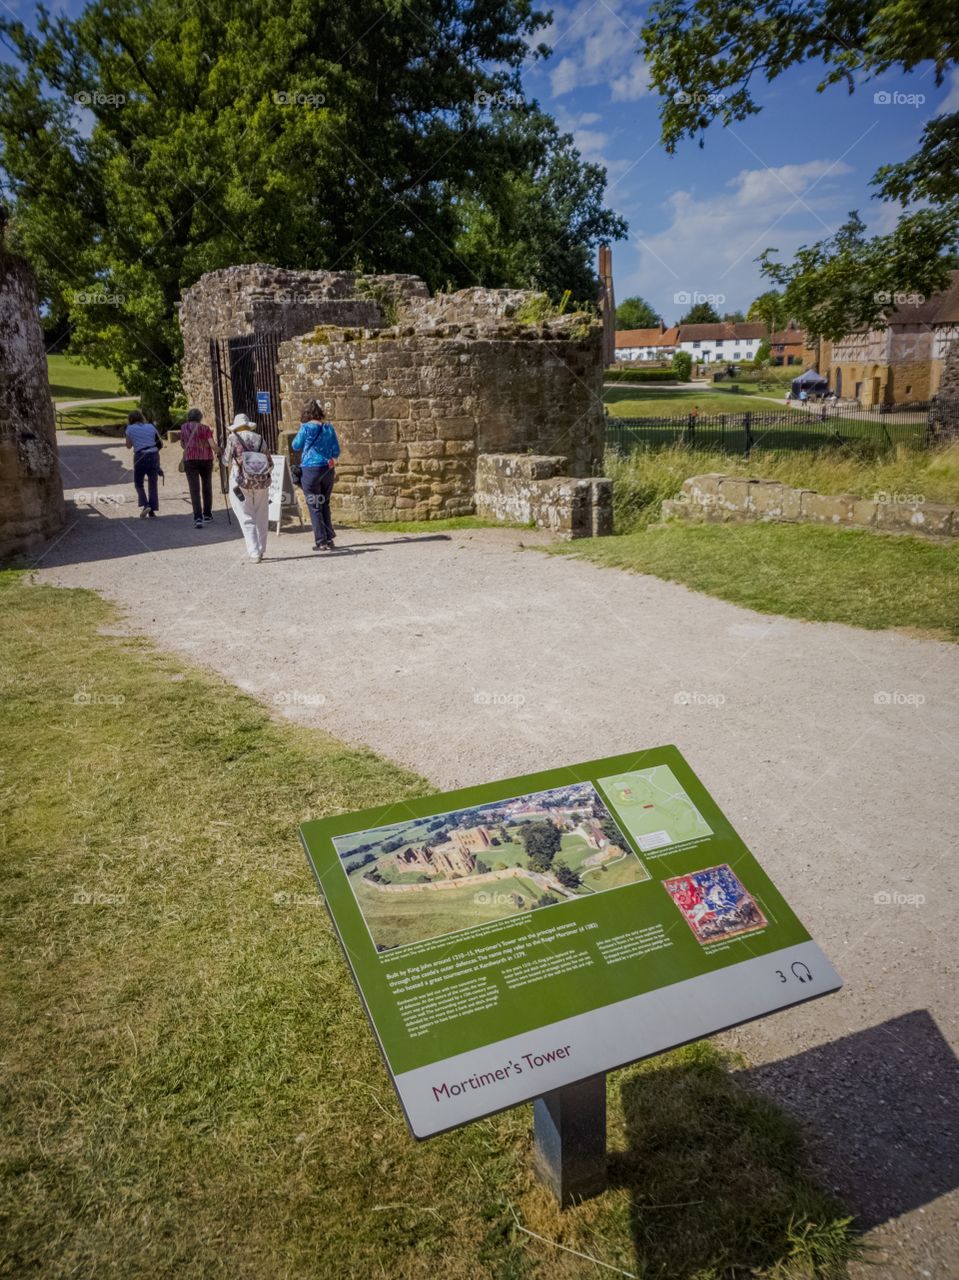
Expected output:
(281, 491)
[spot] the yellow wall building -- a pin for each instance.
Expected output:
(902, 362)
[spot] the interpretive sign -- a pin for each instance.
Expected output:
(281, 492)
(515, 937)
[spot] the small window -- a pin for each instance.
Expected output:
(696, 346)
(909, 389)
(720, 341)
(737, 356)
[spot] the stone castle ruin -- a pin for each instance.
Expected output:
(447, 405)
(31, 491)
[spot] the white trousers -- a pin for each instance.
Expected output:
(253, 518)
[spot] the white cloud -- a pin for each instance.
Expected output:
(564, 77)
(711, 243)
(634, 84)
(597, 42)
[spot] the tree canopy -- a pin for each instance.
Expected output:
(636, 313)
(705, 57)
(768, 309)
(700, 313)
(144, 143)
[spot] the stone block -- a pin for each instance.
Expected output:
(792, 503)
(426, 448)
(930, 518)
(353, 408)
(455, 428)
(767, 500)
(735, 494)
(707, 484)
(391, 407)
(375, 431)
(864, 513)
(387, 452)
(823, 508)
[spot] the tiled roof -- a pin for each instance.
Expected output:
(724, 329)
(941, 308)
(645, 338)
(788, 338)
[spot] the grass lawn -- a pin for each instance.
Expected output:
(802, 571)
(666, 402)
(109, 419)
(190, 1086)
(71, 380)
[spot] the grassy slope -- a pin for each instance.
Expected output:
(71, 380)
(802, 571)
(190, 1086)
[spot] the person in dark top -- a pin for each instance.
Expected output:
(144, 439)
(319, 448)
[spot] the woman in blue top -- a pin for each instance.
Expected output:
(319, 448)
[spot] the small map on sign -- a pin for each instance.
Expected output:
(653, 807)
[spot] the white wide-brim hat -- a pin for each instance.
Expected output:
(240, 422)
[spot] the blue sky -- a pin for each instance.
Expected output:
(698, 219)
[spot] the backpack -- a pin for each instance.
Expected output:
(253, 465)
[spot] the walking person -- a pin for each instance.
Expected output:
(250, 465)
(197, 441)
(144, 439)
(318, 448)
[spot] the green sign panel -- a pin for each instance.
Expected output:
(511, 938)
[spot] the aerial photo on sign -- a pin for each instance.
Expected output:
(432, 876)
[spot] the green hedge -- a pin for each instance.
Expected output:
(639, 375)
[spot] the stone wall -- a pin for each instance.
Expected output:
(530, 489)
(415, 407)
(418, 387)
(259, 299)
(717, 497)
(31, 491)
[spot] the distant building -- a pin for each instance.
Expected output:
(901, 362)
(646, 344)
(442, 859)
(789, 346)
(473, 839)
(724, 342)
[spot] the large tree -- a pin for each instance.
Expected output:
(636, 313)
(148, 141)
(705, 57)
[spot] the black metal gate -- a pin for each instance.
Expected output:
(244, 369)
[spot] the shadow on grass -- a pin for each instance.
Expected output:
(720, 1179)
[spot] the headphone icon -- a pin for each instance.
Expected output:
(801, 971)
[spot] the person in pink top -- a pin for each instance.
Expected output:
(197, 441)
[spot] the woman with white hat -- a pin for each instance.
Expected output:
(250, 465)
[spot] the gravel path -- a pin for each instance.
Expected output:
(832, 750)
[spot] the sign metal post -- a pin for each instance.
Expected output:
(569, 1140)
